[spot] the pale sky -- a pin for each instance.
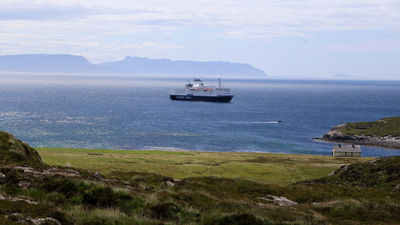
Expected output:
(357, 39)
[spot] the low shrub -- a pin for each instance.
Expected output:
(241, 219)
(66, 186)
(106, 197)
(165, 211)
(99, 196)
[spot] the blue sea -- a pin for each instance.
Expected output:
(136, 113)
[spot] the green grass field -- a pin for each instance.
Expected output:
(267, 168)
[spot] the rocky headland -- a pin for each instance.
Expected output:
(383, 133)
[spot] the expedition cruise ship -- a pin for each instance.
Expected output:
(197, 91)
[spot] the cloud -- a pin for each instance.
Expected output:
(257, 18)
(39, 10)
(81, 26)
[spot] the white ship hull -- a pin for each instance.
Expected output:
(197, 91)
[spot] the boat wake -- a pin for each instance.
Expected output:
(257, 122)
(157, 148)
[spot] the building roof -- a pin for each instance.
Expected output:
(346, 148)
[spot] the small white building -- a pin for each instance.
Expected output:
(340, 150)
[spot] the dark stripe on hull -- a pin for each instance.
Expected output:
(202, 98)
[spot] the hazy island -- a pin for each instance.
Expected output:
(383, 133)
(91, 187)
(65, 63)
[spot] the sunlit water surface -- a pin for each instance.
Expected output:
(136, 113)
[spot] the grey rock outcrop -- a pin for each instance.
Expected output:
(14, 151)
(336, 135)
(278, 200)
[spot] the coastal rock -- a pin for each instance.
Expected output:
(24, 184)
(337, 136)
(2, 178)
(28, 170)
(281, 201)
(98, 176)
(2, 197)
(20, 218)
(14, 151)
(63, 172)
(169, 183)
(344, 133)
(16, 199)
(383, 133)
(47, 221)
(47, 172)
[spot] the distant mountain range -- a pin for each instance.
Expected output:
(64, 63)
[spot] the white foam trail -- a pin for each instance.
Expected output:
(257, 122)
(156, 148)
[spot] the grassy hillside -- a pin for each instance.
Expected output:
(381, 128)
(258, 167)
(213, 189)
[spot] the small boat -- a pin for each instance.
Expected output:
(198, 91)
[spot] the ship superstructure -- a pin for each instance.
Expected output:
(198, 91)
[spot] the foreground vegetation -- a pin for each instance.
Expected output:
(136, 193)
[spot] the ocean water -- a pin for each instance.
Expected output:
(136, 113)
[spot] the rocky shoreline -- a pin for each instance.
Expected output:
(336, 135)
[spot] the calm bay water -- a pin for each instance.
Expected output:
(136, 113)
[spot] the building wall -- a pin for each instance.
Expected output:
(346, 154)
